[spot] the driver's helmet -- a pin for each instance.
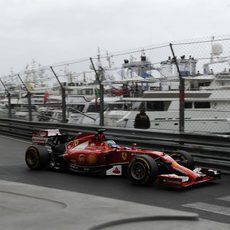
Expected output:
(111, 143)
(96, 137)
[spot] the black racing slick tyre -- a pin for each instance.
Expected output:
(37, 157)
(142, 170)
(183, 158)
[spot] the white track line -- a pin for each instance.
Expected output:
(225, 198)
(209, 208)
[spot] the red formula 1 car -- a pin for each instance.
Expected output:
(92, 153)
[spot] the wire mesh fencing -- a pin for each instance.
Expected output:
(145, 77)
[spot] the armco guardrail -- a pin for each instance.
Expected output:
(207, 150)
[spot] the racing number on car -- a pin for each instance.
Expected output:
(124, 155)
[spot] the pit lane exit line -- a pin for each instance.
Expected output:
(209, 208)
(226, 198)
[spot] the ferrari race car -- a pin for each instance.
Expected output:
(94, 154)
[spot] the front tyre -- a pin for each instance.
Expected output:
(37, 157)
(183, 158)
(142, 170)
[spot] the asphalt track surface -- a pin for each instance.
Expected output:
(211, 201)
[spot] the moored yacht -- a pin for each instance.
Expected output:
(205, 111)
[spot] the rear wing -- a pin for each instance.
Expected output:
(41, 137)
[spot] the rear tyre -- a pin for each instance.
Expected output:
(183, 158)
(142, 170)
(37, 157)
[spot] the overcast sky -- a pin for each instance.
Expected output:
(52, 31)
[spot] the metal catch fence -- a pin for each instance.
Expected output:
(183, 86)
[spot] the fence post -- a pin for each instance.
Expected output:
(181, 93)
(63, 95)
(99, 78)
(28, 97)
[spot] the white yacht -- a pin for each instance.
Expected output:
(90, 114)
(207, 98)
(205, 111)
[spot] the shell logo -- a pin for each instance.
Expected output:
(92, 159)
(81, 158)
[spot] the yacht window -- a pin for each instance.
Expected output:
(86, 92)
(76, 108)
(94, 108)
(59, 116)
(202, 105)
(137, 105)
(204, 83)
(188, 105)
(115, 106)
(127, 106)
(157, 105)
(119, 106)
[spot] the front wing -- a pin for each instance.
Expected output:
(174, 180)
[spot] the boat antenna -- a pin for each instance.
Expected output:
(108, 58)
(98, 57)
(212, 40)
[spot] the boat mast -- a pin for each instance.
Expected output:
(212, 40)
